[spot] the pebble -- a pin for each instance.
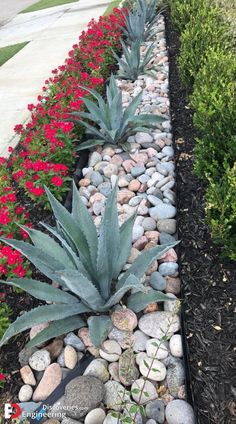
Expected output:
(70, 357)
(157, 281)
(105, 188)
(27, 375)
(95, 157)
(154, 200)
(134, 185)
(179, 412)
(167, 226)
(96, 416)
(98, 368)
(113, 369)
(159, 323)
(124, 338)
(156, 410)
(168, 151)
(25, 354)
(124, 319)
(143, 138)
(176, 347)
(166, 238)
(61, 359)
(40, 360)
(175, 376)
(83, 334)
(173, 285)
(124, 196)
(147, 391)
(137, 233)
(96, 178)
(128, 371)
(168, 268)
(110, 419)
(114, 392)
(111, 169)
(152, 236)
(170, 256)
(50, 380)
(153, 369)
(25, 393)
(149, 224)
(157, 349)
(171, 306)
(110, 350)
(136, 171)
(55, 348)
(140, 340)
(162, 211)
(87, 399)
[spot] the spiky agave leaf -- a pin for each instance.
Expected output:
(99, 328)
(132, 65)
(137, 301)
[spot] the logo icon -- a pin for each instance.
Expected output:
(11, 410)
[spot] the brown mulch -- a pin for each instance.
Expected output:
(209, 282)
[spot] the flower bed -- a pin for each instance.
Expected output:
(138, 368)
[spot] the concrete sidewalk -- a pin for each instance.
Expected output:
(51, 33)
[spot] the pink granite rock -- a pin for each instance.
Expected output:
(51, 379)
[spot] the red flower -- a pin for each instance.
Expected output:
(57, 181)
(2, 377)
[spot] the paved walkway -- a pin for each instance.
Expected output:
(10, 8)
(51, 33)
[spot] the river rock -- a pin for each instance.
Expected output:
(175, 376)
(128, 372)
(157, 281)
(149, 224)
(140, 340)
(27, 375)
(70, 357)
(160, 323)
(124, 338)
(25, 393)
(113, 368)
(162, 211)
(168, 268)
(147, 388)
(40, 360)
(72, 340)
(25, 354)
(176, 347)
(110, 350)
(124, 319)
(98, 368)
(86, 399)
(173, 285)
(55, 348)
(50, 380)
(156, 411)
(96, 416)
(153, 369)
(179, 412)
(114, 393)
(157, 349)
(143, 138)
(167, 226)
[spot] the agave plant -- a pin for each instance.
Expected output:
(137, 26)
(115, 124)
(131, 65)
(86, 265)
(149, 10)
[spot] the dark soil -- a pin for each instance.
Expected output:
(209, 282)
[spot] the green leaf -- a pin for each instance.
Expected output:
(99, 328)
(42, 291)
(82, 287)
(125, 243)
(55, 329)
(137, 301)
(135, 391)
(40, 315)
(84, 219)
(131, 283)
(90, 144)
(144, 260)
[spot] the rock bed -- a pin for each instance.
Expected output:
(133, 365)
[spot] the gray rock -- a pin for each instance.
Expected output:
(25, 354)
(72, 340)
(166, 238)
(140, 340)
(105, 188)
(149, 224)
(179, 412)
(67, 420)
(162, 169)
(143, 138)
(96, 416)
(156, 324)
(40, 360)
(61, 359)
(156, 411)
(96, 178)
(86, 392)
(167, 226)
(162, 211)
(168, 151)
(138, 231)
(124, 338)
(175, 376)
(168, 268)
(151, 421)
(157, 281)
(136, 171)
(25, 393)
(114, 393)
(98, 368)
(143, 178)
(154, 200)
(135, 201)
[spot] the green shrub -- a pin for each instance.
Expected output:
(182, 11)
(221, 210)
(214, 99)
(205, 30)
